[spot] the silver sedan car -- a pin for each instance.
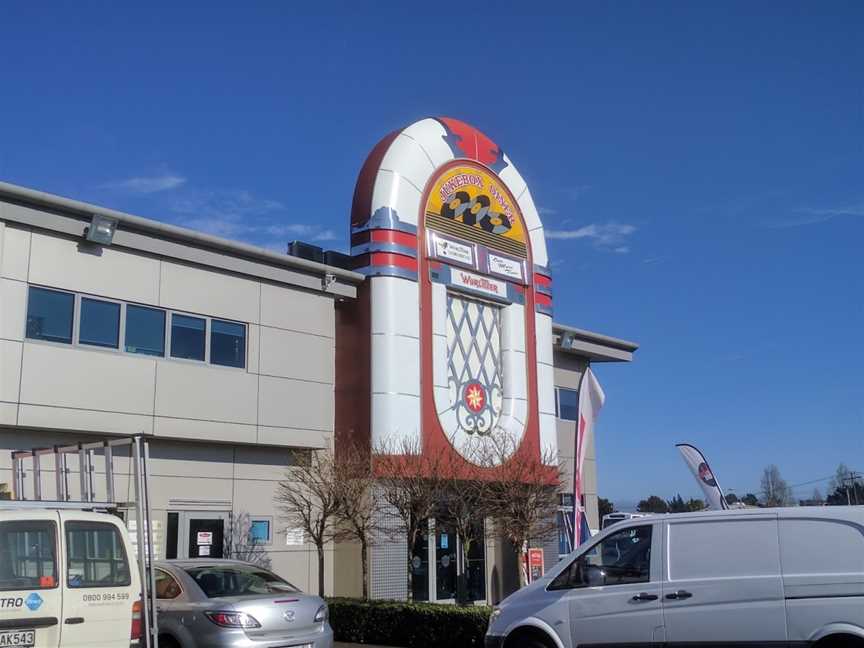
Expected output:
(230, 604)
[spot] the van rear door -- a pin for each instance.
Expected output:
(100, 581)
(30, 593)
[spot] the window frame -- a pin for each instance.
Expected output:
(75, 341)
(653, 572)
(558, 390)
(120, 543)
(180, 592)
(73, 331)
(170, 334)
(262, 518)
(52, 525)
(76, 323)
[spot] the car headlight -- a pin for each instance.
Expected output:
(321, 614)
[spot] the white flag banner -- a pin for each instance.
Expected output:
(591, 399)
(698, 465)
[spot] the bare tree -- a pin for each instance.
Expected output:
(240, 544)
(309, 498)
(523, 498)
(410, 484)
(775, 490)
(465, 505)
(359, 509)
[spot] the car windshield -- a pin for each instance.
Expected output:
(238, 580)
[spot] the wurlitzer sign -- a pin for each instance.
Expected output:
(457, 304)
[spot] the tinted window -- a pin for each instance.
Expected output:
(187, 337)
(27, 555)
(166, 586)
(49, 315)
(227, 343)
(568, 404)
(620, 559)
(145, 330)
(100, 323)
(238, 580)
(96, 555)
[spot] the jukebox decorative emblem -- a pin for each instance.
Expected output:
(457, 301)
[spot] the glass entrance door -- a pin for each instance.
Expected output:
(446, 561)
(202, 533)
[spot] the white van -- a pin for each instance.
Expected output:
(752, 577)
(67, 578)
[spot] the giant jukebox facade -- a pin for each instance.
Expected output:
(450, 343)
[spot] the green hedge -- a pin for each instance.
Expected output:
(409, 625)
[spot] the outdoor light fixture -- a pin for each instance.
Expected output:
(101, 229)
(567, 340)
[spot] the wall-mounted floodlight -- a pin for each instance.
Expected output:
(101, 229)
(567, 340)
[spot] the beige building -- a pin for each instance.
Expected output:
(223, 354)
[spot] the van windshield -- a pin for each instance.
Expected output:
(238, 580)
(28, 555)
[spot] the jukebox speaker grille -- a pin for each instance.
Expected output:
(474, 363)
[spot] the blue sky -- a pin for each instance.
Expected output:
(699, 168)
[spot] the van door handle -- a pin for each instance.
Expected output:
(680, 594)
(644, 597)
(74, 620)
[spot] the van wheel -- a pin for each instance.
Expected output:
(166, 641)
(840, 641)
(528, 639)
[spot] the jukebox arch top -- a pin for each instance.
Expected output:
(446, 230)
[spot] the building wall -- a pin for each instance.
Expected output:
(283, 397)
(568, 374)
(222, 437)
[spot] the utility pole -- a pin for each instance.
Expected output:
(850, 482)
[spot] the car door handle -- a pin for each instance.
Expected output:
(644, 597)
(74, 620)
(680, 594)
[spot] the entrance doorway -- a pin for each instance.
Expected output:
(437, 565)
(201, 534)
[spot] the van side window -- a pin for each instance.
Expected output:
(96, 555)
(28, 559)
(619, 559)
(166, 586)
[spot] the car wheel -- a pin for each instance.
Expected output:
(166, 641)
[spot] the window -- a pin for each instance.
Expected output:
(567, 403)
(166, 586)
(100, 323)
(27, 555)
(227, 343)
(259, 531)
(96, 555)
(238, 580)
(49, 315)
(145, 330)
(188, 336)
(619, 559)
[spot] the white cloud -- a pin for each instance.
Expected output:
(546, 211)
(609, 236)
(811, 215)
(147, 185)
(239, 214)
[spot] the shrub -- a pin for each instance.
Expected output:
(409, 625)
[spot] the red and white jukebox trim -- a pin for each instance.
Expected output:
(445, 229)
